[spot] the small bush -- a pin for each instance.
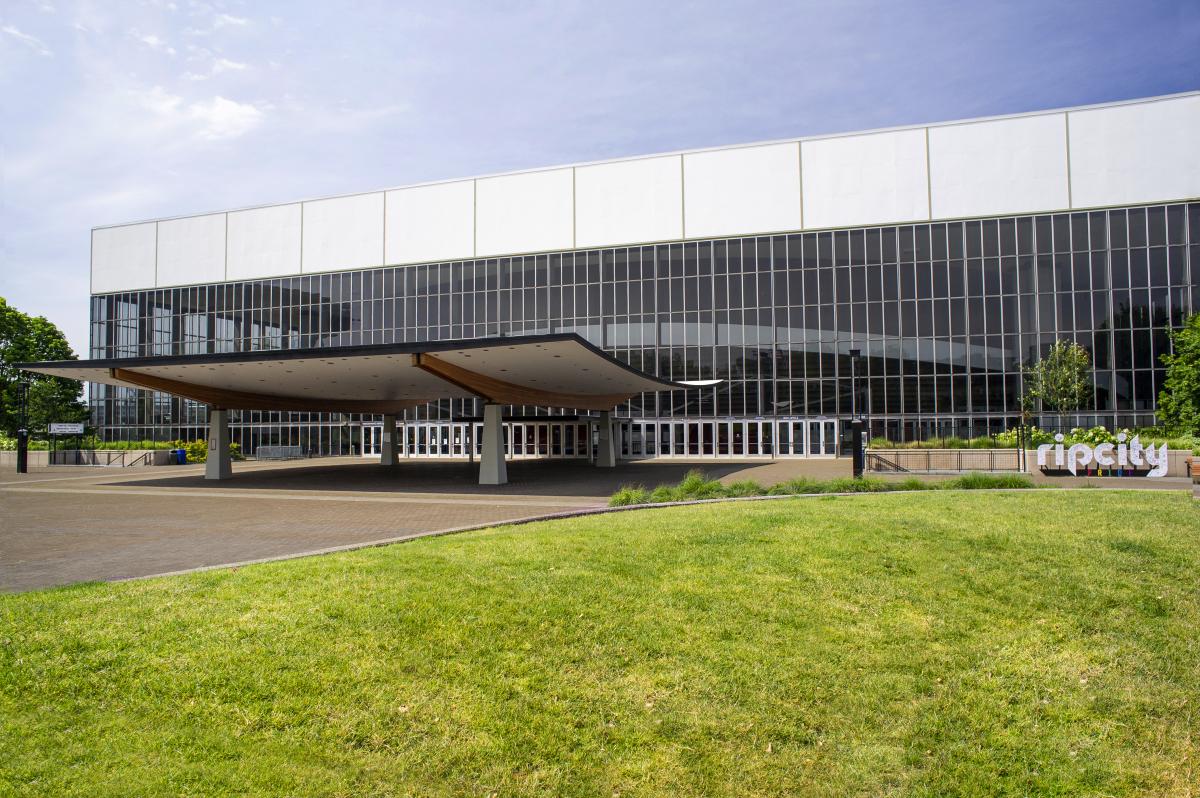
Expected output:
(858, 485)
(663, 494)
(977, 481)
(912, 483)
(629, 494)
(746, 487)
(695, 485)
(796, 487)
(197, 451)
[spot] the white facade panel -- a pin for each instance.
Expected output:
(745, 190)
(629, 202)
(1144, 152)
(872, 179)
(123, 258)
(524, 213)
(264, 242)
(191, 250)
(343, 233)
(431, 223)
(999, 167)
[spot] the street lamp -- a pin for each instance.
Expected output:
(854, 356)
(856, 432)
(23, 429)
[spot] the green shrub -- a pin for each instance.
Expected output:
(629, 494)
(662, 494)
(197, 451)
(858, 485)
(977, 481)
(913, 483)
(746, 487)
(695, 485)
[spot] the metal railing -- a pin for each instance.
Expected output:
(883, 465)
(944, 460)
(115, 458)
(279, 453)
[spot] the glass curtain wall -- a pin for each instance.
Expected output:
(945, 315)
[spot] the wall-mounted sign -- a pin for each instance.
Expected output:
(1106, 455)
(66, 428)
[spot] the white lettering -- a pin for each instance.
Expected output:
(1042, 451)
(1078, 455)
(1135, 450)
(1157, 459)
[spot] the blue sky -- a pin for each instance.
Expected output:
(117, 111)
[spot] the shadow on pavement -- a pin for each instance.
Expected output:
(540, 477)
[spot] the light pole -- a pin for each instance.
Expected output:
(23, 429)
(854, 356)
(856, 432)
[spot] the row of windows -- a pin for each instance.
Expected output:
(930, 306)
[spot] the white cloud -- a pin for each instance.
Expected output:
(219, 21)
(153, 41)
(228, 20)
(225, 119)
(27, 39)
(219, 65)
(225, 65)
(211, 120)
(159, 101)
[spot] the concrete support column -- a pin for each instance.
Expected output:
(492, 468)
(387, 447)
(606, 457)
(218, 464)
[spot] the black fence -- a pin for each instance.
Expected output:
(99, 457)
(933, 461)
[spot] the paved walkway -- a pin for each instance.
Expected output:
(63, 525)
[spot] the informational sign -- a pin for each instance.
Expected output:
(66, 428)
(1133, 456)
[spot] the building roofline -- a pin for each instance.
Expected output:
(673, 153)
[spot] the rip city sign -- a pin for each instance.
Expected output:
(1106, 455)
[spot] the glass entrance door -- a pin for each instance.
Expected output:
(372, 441)
(822, 438)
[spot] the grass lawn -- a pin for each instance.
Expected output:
(942, 643)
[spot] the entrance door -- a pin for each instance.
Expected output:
(372, 441)
(518, 440)
(822, 438)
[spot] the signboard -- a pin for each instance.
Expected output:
(66, 428)
(1133, 456)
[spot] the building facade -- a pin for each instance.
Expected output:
(948, 256)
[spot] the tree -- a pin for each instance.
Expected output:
(1179, 400)
(1062, 380)
(25, 338)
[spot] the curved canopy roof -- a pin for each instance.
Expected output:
(559, 370)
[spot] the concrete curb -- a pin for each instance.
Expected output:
(580, 513)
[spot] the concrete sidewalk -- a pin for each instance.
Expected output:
(66, 524)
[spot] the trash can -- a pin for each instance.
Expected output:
(181, 456)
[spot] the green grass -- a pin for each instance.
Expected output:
(696, 485)
(928, 644)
